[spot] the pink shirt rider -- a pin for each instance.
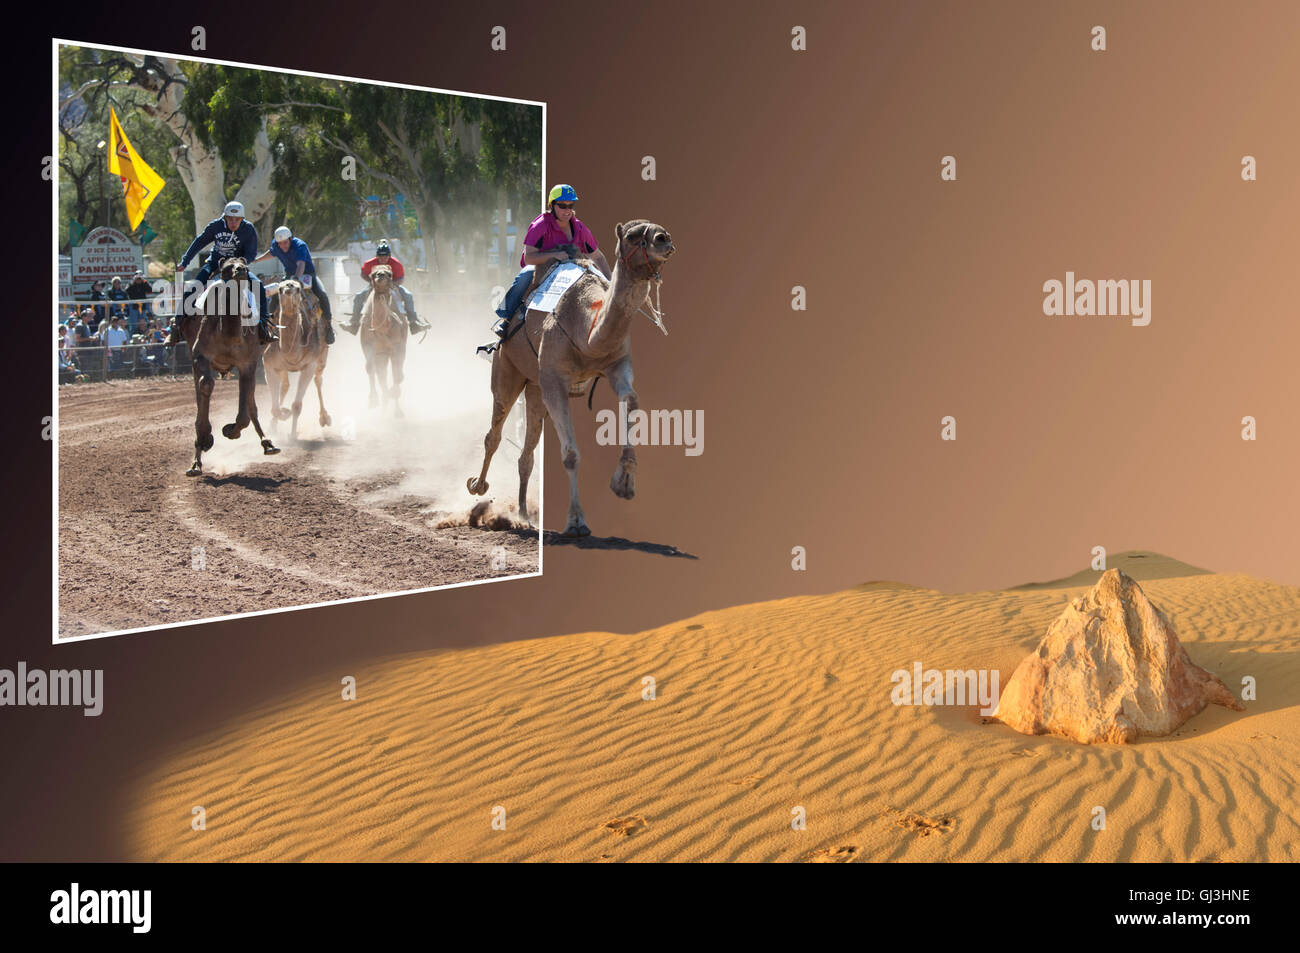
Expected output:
(544, 233)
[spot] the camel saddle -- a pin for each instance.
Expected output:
(548, 288)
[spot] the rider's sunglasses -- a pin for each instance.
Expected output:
(568, 205)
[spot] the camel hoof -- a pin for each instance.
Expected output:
(269, 448)
(205, 442)
(283, 414)
(196, 470)
(623, 483)
(578, 531)
(230, 431)
(325, 419)
(476, 486)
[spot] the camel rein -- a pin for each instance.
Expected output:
(388, 317)
(300, 311)
(656, 314)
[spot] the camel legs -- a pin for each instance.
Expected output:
(277, 382)
(368, 350)
(268, 448)
(535, 412)
(623, 482)
(232, 431)
(507, 384)
(279, 395)
(396, 361)
(304, 381)
(380, 362)
(248, 411)
(555, 394)
(320, 395)
(203, 383)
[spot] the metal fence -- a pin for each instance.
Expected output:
(122, 363)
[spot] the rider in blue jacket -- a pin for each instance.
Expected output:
(231, 236)
(295, 257)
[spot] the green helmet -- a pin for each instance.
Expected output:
(561, 193)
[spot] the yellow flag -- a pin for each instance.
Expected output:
(140, 184)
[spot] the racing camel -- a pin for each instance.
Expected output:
(301, 348)
(383, 338)
(223, 337)
(550, 359)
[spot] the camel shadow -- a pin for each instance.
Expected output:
(259, 483)
(552, 538)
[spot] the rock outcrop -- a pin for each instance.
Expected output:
(1109, 669)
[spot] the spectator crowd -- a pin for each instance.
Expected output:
(121, 334)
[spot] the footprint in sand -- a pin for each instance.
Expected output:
(626, 826)
(748, 780)
(1023, 753)
(843, 854)
(919, 824)
(1263, 734)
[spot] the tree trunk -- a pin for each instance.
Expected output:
(256, 192)
(201, 170)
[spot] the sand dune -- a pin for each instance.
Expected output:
(760, 709)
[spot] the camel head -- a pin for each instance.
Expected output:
(643, 246)
(231, 299)
(381, 278)
(290, 292)
(234, 269)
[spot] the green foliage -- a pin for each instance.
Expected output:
(85, 184)
(312, 197)
(451, 157)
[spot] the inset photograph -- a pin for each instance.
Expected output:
(272, 286)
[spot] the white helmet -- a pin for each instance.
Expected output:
(234, 208)
(282, 233)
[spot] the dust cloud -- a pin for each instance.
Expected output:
(429, 452)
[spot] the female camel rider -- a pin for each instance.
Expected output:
(547, 236)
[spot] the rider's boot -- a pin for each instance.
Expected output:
(415, 325)
(502, 328)
(329, 329)
(265, 333)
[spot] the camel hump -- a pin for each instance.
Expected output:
(578, 306)
(593, 272)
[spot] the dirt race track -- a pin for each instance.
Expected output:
(366, 506)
